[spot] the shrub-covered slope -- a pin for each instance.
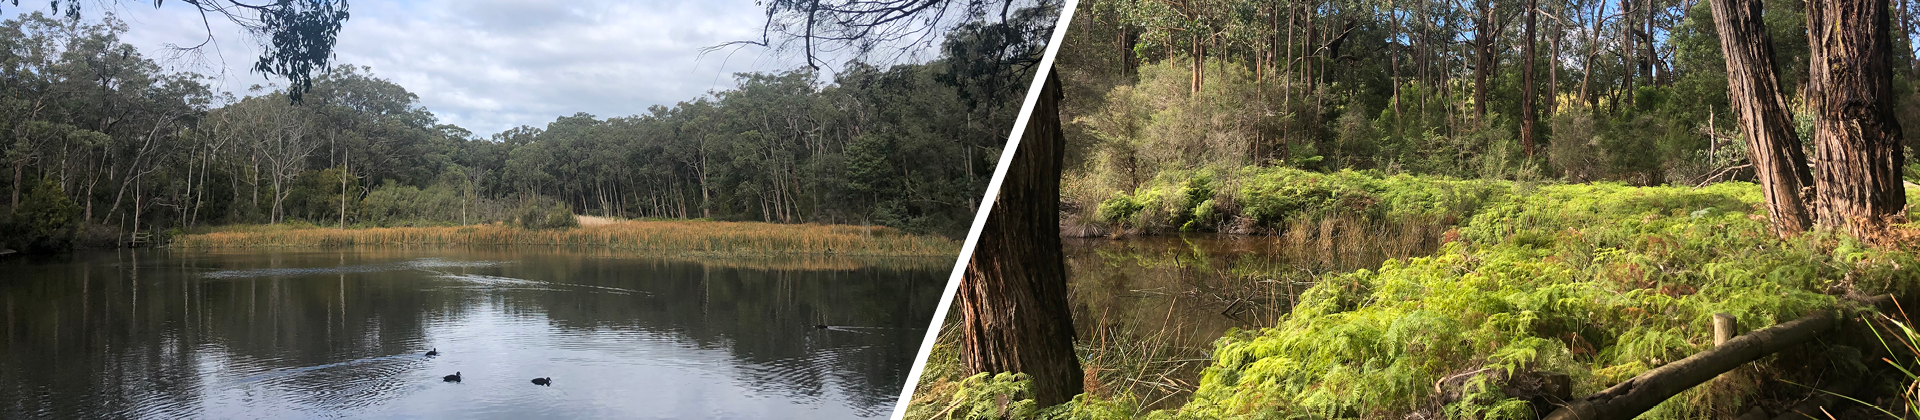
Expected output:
(1598, 282)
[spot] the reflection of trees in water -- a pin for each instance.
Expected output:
(1149, 309)
(112, 340)
(765, 319)
(104, 338)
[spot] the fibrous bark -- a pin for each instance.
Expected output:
(1754, 90)
(1013, 297)
(1856, 139)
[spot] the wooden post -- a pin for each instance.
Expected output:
(1725, 327)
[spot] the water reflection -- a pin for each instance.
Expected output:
(1149, 309)
(165, 334)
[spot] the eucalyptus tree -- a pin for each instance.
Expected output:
(296, 36)
(281, 137)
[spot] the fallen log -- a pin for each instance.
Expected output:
(1643, 392)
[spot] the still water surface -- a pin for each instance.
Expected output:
(1152, 307)
(340, 333)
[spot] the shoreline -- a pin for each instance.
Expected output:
(677, 238)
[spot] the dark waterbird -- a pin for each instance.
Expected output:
(543, 381)
(455, 377)
(820, 326)
(434, 352)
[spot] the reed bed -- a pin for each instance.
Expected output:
(675, 238)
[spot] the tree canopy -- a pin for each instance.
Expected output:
(135, 148)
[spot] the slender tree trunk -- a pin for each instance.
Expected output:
(1593, 52)
(1649, 64)
(1393, 64)
(1527, 91)
(1483, 57)
(1308, 54)
(1754, 90)
(1013, 297)
(18, 181)
(1193, 51)
(343, 192)
(1629, 52)
(1553, 68)
(1856, 138)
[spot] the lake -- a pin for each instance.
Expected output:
(157, 333)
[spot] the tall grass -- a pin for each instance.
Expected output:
(670, 238)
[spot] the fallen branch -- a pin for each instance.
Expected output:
(1643, 392)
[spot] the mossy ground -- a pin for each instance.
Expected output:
(1596, 281)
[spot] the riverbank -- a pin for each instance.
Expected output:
(1597, 282)
(665, 238)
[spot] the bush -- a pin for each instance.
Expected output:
(548, 216)
(46, 220)
(1119, 209)
(1270, 197)
(1576, 145)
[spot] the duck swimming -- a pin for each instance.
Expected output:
(820, 327)
(543, 381)
(455, 377)
(434, 352)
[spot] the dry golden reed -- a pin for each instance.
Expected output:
(677, 238)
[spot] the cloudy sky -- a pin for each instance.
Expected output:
(490, 65)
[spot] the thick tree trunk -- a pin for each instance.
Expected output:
(1856, 138)
(1014, 295)
(1754, 90)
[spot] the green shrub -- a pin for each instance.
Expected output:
(547, 216)
(1599, 282)
(1272, 196)
(1120, 208)
(46, 220)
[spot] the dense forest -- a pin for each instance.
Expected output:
(1579, 90)
(100, 143)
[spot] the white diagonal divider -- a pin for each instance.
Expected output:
(986, 204)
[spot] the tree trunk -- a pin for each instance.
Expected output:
(1527, 91)
(1629, 52)
(1856, 138)
(1754, 90)
(18, 181)
(1014, 296)
(1553, 68)
(1483, 58)
(1593, 52)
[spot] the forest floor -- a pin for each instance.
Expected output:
(1597, 282)
(661, 237)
